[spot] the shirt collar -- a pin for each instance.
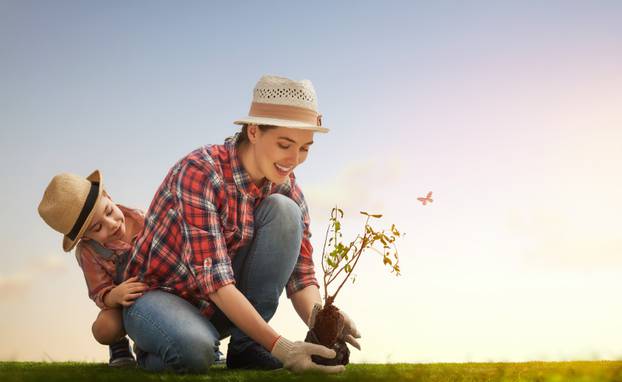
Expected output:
(240, 175)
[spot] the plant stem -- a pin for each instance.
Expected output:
(349, 261)
(324, 265)
(357, 255)
(348, 275)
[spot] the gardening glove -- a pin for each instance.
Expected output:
(296, 356)
(349, 332)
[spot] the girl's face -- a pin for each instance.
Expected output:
(275, 153)
(108, 223)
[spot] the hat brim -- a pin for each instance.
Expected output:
(281, 123)
(68, 244)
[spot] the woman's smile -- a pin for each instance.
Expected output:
(282, 170)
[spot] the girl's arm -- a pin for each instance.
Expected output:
(98, 282)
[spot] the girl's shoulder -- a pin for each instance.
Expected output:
(84, 248)
(91, 249)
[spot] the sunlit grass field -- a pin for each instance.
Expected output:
(492, 372)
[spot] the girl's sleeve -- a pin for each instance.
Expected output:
(98, 282)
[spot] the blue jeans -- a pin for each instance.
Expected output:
(173, 335)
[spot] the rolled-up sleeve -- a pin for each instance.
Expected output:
(205, 250)
(304, 271)
(97, 279)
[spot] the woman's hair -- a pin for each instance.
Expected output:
(244, 135)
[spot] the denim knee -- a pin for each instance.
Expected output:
(281, 209)
(172, 330)
(198, 354)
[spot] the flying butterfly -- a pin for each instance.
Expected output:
(427, 199)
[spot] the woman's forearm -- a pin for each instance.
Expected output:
(240, 311)
(303, 301)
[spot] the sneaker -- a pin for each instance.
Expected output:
(138, 352)
(120, 354)
(122, 362)
(253, 357)
(220, 358)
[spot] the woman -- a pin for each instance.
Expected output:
(226, 232)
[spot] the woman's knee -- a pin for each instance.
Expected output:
(171, 328)
(282, 208)
(189, 351)
(198, 355)
(284, 205)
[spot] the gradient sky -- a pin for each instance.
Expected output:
(510, 112)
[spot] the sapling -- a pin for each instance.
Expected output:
(338, 265)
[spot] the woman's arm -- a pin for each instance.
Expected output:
(303, 301)
(240, 311)
(295, 356)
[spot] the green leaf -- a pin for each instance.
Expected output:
(333, 253)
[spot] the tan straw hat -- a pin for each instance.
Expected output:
(67, 205)
(283, 102)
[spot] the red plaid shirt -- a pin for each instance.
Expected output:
(201, 215)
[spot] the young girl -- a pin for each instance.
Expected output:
(102, 232)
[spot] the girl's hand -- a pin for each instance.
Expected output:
(125, 293)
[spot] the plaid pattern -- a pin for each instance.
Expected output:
(99, 266)
(201, 215)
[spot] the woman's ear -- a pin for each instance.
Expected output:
(252, 131)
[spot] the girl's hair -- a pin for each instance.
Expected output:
(244, 135)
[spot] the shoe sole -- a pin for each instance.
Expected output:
(122, 362)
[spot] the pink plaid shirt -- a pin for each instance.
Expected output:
(99, 266)
(201, 215)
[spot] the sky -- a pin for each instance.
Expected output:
(509, 112)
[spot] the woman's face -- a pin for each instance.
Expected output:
(277, 152)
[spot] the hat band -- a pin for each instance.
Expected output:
(293, 113)
(86, 210)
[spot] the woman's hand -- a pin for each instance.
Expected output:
(296, 356)
(125, 293)
(349, 333)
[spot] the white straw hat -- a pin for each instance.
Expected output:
(279, 101)
(68, 205)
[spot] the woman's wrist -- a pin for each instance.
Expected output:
(274, 343)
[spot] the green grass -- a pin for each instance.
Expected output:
(460, 372)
